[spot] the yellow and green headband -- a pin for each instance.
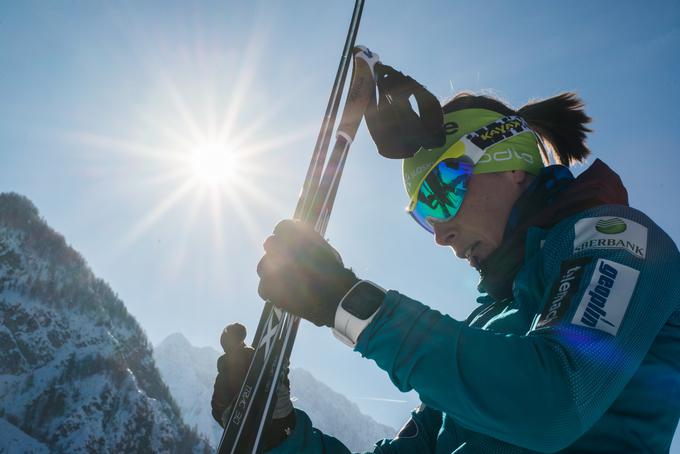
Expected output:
(518, 152)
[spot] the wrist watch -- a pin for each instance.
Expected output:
(356, 310)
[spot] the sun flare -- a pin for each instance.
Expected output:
(198, 150)
(213, 164)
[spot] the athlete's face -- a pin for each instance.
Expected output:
(477, 229)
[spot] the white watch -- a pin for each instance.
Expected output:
(356, 311)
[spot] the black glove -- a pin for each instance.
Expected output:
(231, 371)
(302, 274)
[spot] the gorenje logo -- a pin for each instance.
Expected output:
(563, 292)
(606, 299)
(450, 127)
(610, 233)
(610, 226)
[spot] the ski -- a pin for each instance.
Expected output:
(276, 330)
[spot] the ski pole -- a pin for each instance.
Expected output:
(318, 160)
(275, 348)
(270, 326)
(360, 91)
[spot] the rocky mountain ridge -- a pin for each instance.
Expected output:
(76, 369)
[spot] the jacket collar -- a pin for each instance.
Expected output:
(554, 195)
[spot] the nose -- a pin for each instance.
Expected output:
(443, 233)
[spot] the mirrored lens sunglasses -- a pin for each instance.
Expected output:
(443, 188)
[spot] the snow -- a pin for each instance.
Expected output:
(190, 374)
(15, 441)
(76, 371)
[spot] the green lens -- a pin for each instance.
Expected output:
(441, 194)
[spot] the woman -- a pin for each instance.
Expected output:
(575, 346)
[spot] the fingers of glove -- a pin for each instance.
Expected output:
(232, 336)
(278, 256)
(292, 227)
(235, 362)
(297, 235)
(298, 242)
(285, 225)
(232, 369)
(282, 284)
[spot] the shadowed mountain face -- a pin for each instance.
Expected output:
(190, 374)
(76, 370)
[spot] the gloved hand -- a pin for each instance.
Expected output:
(302, 274)
(231, 371)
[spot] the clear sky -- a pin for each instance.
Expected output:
(103, 105)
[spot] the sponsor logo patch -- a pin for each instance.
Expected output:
(611, 226)
(451, 127)
(563, 291)
(506, 155)
(606, 299)
(497, 131)
(610, 233)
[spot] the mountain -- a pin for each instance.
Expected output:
(76, 370)
(334, 414)
(190, 374)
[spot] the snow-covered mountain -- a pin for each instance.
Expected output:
(76, 370)
(334, 414)
(190, 374)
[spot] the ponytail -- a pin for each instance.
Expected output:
(559, 121)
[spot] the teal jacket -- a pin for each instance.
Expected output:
(584, 357)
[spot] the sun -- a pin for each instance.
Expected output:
(198, 150)
(213, 164)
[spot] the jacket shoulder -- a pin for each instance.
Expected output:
(610, 228)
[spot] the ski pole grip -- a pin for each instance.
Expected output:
(361, 91)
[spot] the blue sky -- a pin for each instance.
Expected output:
(99, 97)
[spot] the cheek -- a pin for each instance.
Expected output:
(484, 219)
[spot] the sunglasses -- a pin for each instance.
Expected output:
(443, 188)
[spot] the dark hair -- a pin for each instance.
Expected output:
(560, 122)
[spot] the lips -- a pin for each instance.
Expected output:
(469, 255)
(470, 249)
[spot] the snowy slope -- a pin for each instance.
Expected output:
(76, 370)
(190, 374)
(334, 414)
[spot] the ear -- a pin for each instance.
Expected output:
(519, 177)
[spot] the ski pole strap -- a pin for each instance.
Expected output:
(356, 311)
(397, 130)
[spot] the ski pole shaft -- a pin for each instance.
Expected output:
(316, 164)
(276, 331)
(318, 160)
(251, 413)
(360, 92)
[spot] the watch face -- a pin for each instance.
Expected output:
(363, 300)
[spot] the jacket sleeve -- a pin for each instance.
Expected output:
(544, 389)
(418, 436)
